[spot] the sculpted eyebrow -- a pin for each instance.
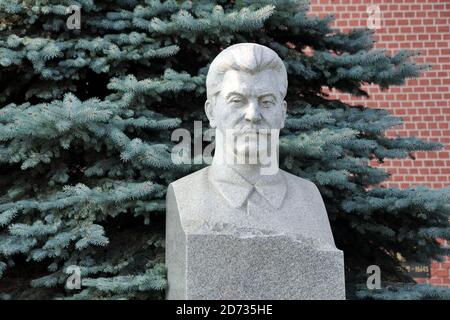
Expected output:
(267, 95)
(234, 93)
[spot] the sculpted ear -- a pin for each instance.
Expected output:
(209, 113)
(284, 106)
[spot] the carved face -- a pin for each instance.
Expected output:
(250, 105)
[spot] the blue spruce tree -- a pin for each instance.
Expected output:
(85, 123)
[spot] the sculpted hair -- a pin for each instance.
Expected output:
(247, 57)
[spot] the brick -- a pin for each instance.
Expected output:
(436, 281)
(439, 272)
(421, 280)
(423, 103)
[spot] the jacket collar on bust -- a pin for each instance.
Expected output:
(236, 189)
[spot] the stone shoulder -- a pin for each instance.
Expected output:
(304, 184)
(190, 188)
(191, 181)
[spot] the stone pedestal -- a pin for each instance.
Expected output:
(230, 263)
(242, 228)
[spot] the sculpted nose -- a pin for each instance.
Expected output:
(252, 113)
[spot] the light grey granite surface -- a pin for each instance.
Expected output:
(234, 231)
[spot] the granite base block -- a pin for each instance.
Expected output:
(225, 266)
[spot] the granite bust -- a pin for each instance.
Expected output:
(242, 228)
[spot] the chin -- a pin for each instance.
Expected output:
(248, 153)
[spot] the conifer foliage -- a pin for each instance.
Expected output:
(85, 138)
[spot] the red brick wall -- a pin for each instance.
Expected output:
(423, 103)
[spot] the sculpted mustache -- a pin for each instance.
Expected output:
(261, 131)
(252, 130)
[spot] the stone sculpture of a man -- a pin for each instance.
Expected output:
(242, 228)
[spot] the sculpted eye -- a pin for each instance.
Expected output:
(268, 103)
(235, 100)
